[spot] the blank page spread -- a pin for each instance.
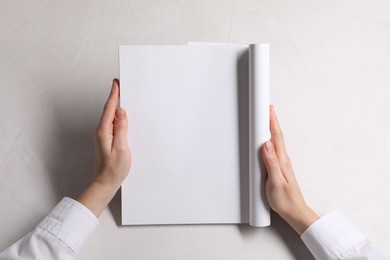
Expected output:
(183, 106)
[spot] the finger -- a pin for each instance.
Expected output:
(277, 136)
(108, 114)
(119, 141)
(280, 147)
(271, 162)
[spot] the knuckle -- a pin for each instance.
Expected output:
(272, 160)
(276, 184)
(98, 133)
(120, 127)
(121, 148)
(286, 163)
(279, 134)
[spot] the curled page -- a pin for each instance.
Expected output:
(259, 132)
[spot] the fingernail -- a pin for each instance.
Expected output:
(120, 113)
(115, 80)
(269, 148)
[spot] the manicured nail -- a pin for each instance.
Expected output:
(269, 148)
(120, 113)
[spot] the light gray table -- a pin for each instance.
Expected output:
(330, 77)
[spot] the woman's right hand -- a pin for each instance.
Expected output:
(282, 190)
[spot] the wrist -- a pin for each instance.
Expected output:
(301, 218)
(97, 196)
(108, 180)
(106, 187)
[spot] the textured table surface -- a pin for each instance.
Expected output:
(330, 77)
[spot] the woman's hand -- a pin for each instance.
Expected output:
(112, 155)
(282, 190)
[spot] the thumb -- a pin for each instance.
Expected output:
(271, 162)
(120, 129)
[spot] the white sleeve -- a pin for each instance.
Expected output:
(334, 237)
(60, 235)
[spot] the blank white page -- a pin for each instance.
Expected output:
(182, 108)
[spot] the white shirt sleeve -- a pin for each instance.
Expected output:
(334, 237)
(60, 235)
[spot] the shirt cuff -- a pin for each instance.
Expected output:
(333, 237)
(71, 222)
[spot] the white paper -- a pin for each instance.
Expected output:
(259, 132)
(183, 105)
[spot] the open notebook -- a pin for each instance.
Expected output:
(198, 114)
